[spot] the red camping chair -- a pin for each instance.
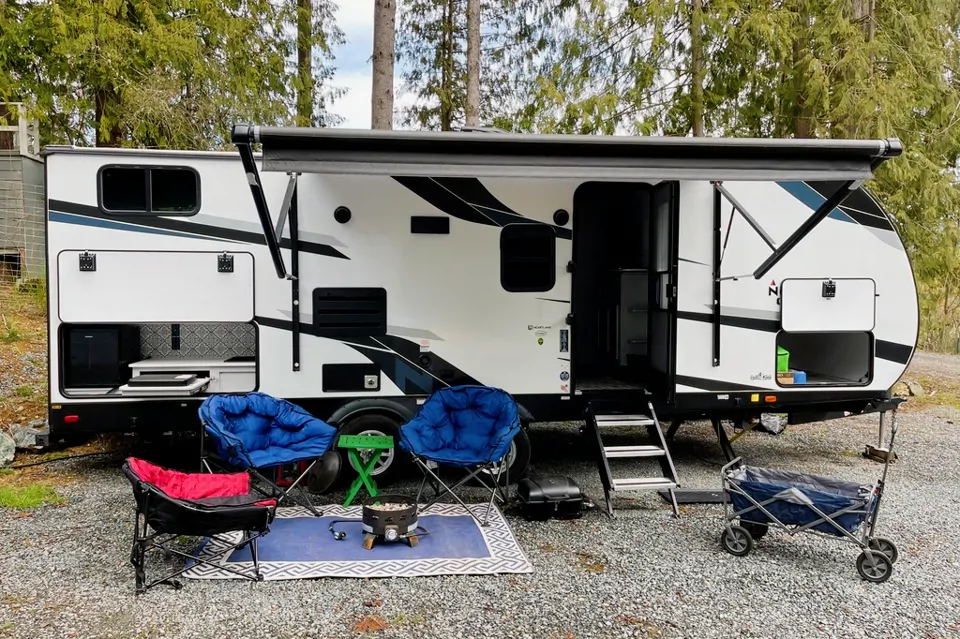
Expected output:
(177, 504)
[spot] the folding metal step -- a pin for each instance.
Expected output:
(656, 449)
(643, 483)
(645, 450)
(623, 420)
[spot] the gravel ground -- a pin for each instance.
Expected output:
(64, 571)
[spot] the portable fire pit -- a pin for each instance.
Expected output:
(389, 518)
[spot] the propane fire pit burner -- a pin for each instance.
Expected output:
(390, 518)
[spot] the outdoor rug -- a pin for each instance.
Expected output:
(301, 546)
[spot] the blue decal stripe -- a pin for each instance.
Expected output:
(812, 199)
(83, 220)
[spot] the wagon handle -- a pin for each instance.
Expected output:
(723, 471)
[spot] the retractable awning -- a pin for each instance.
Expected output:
(451, 153)
(298, 150)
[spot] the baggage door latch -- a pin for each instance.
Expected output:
(88, 261)
(225, 263)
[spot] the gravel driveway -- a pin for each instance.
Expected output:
(64, 571)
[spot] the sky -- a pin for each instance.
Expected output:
(353, 70)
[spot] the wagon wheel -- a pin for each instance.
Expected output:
(737, 541)
(887, 547)
(874, 566)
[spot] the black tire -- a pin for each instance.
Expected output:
(519, 458)
(393, 463)
(757, 531)
(874, 567)
(737, 541)
(887, 547)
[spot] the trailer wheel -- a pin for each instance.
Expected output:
(887, 547)
(736, 541)
(874, 566)
(392, 463)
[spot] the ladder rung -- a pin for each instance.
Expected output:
(643, 483)
(633, 451)
(624, 420)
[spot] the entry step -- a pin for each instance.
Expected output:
(644, 483)
(633, 451)
(624, 420)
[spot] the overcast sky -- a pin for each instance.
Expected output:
(352, 63)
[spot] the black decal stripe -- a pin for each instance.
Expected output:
(889, 351)
(469, 200)
(715, 384)
(893, 352)
(858, 205)
(438, 366)
(400, 366)
(183, 226)
(547, 299)
(767, 326)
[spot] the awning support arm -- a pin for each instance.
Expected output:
(749, 218)
(260, 200)
(717, 221)
(294, 273)
(832, 202)
(287, 203)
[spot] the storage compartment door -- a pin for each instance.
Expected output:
(812, 305)
(155, 286)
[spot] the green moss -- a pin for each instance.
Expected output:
(31, 496)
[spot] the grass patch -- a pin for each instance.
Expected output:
(23, 391)
(31, 496)
(11, 334)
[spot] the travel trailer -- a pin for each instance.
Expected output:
(355, 272)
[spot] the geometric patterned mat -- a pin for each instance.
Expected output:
(301, 546)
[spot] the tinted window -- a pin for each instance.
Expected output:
(123, 189)
(528, 257)
(152, 190)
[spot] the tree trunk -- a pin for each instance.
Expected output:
(473, 63)
(305, 95)
(384, 37)
(105, 105)
(802, 117)
(446, 76)
(696, 67)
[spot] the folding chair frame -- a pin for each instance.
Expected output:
(144, 541)
(276, 491)
(498, 469)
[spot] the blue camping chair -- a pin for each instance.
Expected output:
(257, 432)
(470, 427)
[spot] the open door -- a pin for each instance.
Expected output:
(664, 236)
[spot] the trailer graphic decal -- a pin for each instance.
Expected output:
(397, 357)
(469, 200)
(92, 216)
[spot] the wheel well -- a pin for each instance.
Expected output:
(370, 407)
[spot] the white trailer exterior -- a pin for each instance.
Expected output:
(378, 267)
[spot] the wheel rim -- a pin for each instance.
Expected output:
(736, 541)
(386, 457)
(510, 458)
(874, 566)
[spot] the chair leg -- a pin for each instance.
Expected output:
(493, 493)
(255, 554)
(280, 494)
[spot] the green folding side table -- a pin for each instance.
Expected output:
(353, 444)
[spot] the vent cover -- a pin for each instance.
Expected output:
(350, 312)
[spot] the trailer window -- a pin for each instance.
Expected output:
(528, 258)
(149, 190)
